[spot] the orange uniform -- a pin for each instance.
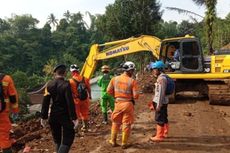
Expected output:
(11, 100)
(125, 91)
(82, 106)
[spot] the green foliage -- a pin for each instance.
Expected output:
(35, 81)
(210, 16)
(49, 67)
(221, 33)
(69, 59)
(126, 18)
(20, 79)
(4, 25)
(24, 101)
(167, 29)
(21, 25)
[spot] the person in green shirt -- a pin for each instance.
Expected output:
(106, 99)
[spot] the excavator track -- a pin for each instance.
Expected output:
(219, 92)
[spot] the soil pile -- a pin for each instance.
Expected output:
(146, 82)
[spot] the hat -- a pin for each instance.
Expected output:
(105, 68)
(59, 66)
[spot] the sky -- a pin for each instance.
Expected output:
(41, 9)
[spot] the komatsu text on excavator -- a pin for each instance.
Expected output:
(191, 70)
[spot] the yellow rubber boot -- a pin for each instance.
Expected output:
(113, 138)
(159, 135)
(124, 141)
(166, 130)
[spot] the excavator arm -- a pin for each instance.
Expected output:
(119, 48)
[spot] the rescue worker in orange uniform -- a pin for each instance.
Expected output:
(82, 106)
(125, 91)
(10, 106)
(160, 101)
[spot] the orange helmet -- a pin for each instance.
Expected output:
(105, 68)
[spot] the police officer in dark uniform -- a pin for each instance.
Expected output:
(62, 118)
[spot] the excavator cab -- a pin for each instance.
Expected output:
(182, 55)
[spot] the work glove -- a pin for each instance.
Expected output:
(43, 122)
(75, 122)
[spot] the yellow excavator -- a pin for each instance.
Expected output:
(192, 71)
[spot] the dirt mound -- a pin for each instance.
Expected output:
(146, 82)
(25, 132)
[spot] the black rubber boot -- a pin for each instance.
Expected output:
(8, 150)
(63, 149)
(105, 118)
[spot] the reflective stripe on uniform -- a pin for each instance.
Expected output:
(123, 99)
(46, 92)
(125, 91)
(5, 83)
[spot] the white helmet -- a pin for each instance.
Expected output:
(128, 66)
(74, 67)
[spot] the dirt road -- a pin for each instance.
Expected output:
(195, 127)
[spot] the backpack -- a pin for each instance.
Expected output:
(81, 89)
(2, 101)
(170, 85)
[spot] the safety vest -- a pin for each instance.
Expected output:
(125, 88)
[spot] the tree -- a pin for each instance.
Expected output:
(210, 16)
(63, 24)
(67, 15)
(22, 25)
(52, 20)
(167, 29)
(186, 27)
(4, 25)
(126, 18)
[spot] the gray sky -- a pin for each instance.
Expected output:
(41, 9)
